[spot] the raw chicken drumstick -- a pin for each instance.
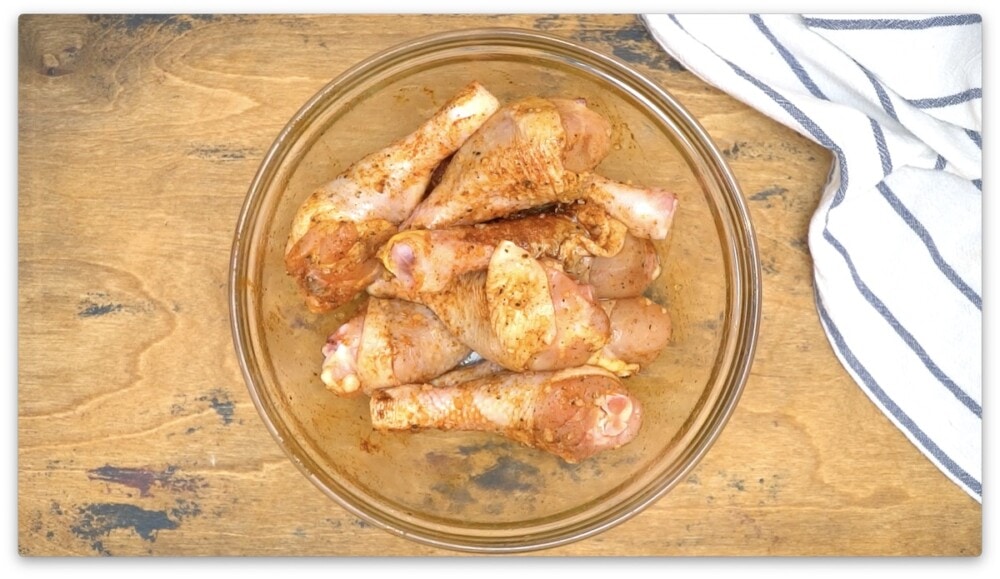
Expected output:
(533, 152)
(648, 212)
(388, 343)
(524, 314)
(392, 342)
(573, 414)
(429, 260)
(640, 330)
(518, 159)
(625, 274)
(337, 230)
(519, 312)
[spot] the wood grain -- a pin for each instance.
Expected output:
(138, 137)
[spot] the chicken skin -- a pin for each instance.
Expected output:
(573, 414)
(515, 161)
(337, 230)
(428, 260)
(616, 264)
(640, 330)
(520, 313)
(387, 343)
(626, 273)
(531, 153)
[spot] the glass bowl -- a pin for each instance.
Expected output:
(476, 492)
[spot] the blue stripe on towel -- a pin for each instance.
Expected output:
(925, 236)
(900, 208)
(883, 148)
(940, 163)
(947, 101)
(883, 96)
(892, 23)
(807, 123)
(976, 137)
(903, 333)
(890, 405)
(793, 62)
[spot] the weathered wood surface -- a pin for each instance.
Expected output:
(138, 138)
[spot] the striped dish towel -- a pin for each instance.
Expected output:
(896, 240)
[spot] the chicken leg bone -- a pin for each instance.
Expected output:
(573, 414)
(337, 230)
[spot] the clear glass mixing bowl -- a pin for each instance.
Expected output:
(476, 492)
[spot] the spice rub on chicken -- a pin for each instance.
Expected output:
(572, 414)
(337, 230)
(388, 343)
(505, 276)
(533, 152)
(429, 260)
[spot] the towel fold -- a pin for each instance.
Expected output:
(896, 240)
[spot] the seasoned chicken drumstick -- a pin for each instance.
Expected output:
(573, 413)
(337, 230)
(516, 160)
(429, 260)
(519, 312)
(388, 343)
(533, 152)
(640, 330)
(625, 274)
(524, 314)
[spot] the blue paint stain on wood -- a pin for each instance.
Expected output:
(457, 494)
(136, 23)
(96, 521)
(218, 400)
(775, 191)
(144, 479)
(491, 446)
(92, 310)
(99, 303)
(224, 408)
(632, 43)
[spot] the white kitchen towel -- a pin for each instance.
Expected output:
(896, 239)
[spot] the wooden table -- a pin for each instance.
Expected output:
(138, 138)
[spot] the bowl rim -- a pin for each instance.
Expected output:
(747, 273)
